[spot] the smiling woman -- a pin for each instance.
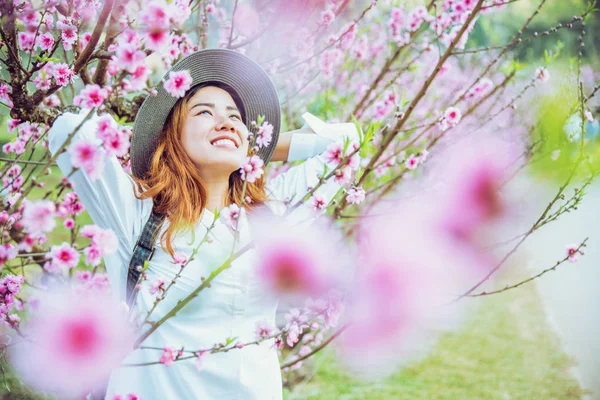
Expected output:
(186, 156)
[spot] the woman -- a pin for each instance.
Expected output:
(186, 155)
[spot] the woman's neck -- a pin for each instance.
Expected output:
(218, 192)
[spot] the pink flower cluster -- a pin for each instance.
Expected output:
(92, 96)
(10, 286)
(115, 140)
(252, 169)
(335, 154)
(158, 17)
(104, 242)
(264, 135)
(170, 355)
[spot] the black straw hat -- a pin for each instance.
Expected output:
(251, 83)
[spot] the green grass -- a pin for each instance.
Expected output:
(507, 350)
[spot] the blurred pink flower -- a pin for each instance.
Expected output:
(178, 83)
(7, 253)
(542, 74)
(75, 342)
(86, 154)
(297, 260)
(38, 217)
(399, 297)
(246, 19)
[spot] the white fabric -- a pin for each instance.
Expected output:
(231, 307)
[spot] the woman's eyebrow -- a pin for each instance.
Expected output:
(212, 105)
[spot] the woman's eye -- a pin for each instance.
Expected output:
(235, 116)
(204, 111)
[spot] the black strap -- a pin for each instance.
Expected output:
(142, 251)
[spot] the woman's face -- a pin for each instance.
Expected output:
(214, 135)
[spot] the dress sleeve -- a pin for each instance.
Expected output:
(109, 199)
(292, 185)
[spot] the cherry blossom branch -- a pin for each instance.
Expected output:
(288, 67)
(83, 58)
(181, 303)
(389, 136)
(508, 287)
(510, 44)
(164, 293)
(547, 32)
(316, 349)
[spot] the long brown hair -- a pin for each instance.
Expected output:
(173, 182)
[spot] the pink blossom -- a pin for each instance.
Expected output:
(7, 253)
(156, 38)
(85, 154)
(169, 356)
(452, 115)
(26, 40)
(327, 17)
(542, 74)
(92, 96)
(69, 223)
(75, 341)
(46, 41)
(84, 40)
(180, 258)
(62, 257)
(318, 202)
(231, 215)
(158, 286)
(334, 153)
(297, 260)
(62, 74)
(356, 195)
(178, 83)
(92, 255)
(265, 134)
(69, 35)
(38, 217)
(129, 56)
(264, 330)
(572, 251)
(252, 169)
(411, 162)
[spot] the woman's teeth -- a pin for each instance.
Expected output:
(225, 143)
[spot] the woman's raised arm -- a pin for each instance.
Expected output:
(291, 186)
(109, 199)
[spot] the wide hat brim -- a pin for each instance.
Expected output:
(252, 84)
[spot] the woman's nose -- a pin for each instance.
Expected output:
(225, 123)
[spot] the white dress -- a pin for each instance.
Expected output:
(231, 307)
